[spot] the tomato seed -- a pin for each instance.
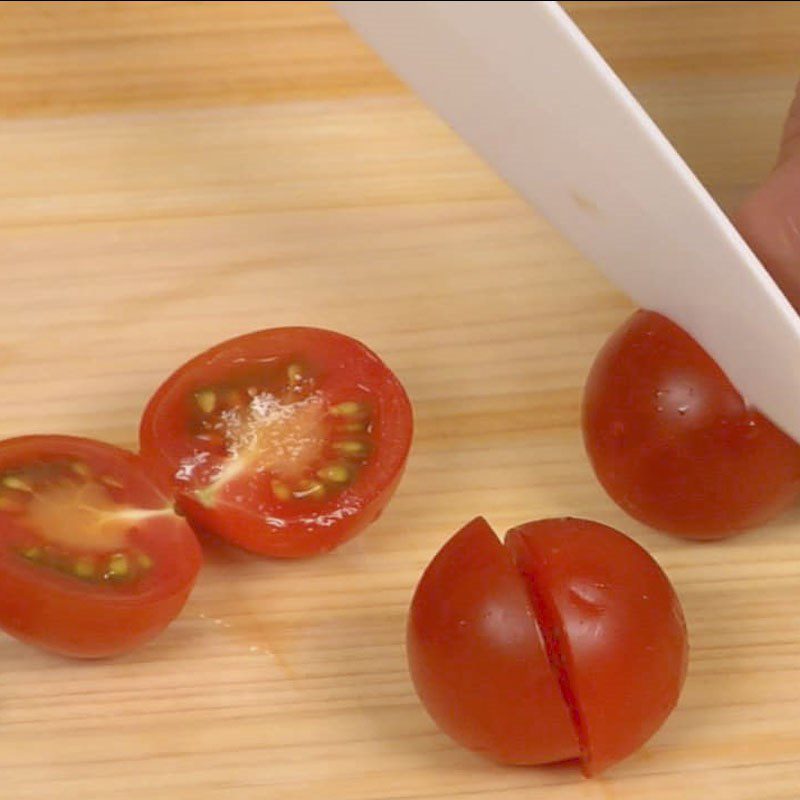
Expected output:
(206, 400)
(354, 427)
(14, 482)
(32, 553)
(83, 568)
(79, 468)
(144, 561)
(351, 447)
(281, 490)
(111, 481)
(295, 373)
(334, 473)
(349, 408)
(117, 567)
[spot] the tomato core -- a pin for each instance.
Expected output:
(63, 517)
(277, 425)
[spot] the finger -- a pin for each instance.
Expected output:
(769, 219)
(790, 143)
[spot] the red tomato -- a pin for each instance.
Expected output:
(672, 441)
(478, 658)
(615, 628)
(286, 442)
(569, 642)
(94, 561)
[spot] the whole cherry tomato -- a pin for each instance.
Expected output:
(674, 443)
(569, 642)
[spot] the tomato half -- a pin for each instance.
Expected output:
(673, 442)
(285, 442)
(569, 642)
(477, 655)
(615, 627)
(93, 559)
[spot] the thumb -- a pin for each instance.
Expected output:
(769, 219)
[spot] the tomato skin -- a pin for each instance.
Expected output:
(568, 641)
(672, 441)
(293, 529)
(477, 657)
(618, 626)
(76, 619)
(295, 540)
(82, 626)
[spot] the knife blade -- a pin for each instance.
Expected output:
(521, 84)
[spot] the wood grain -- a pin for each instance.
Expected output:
(177, 173)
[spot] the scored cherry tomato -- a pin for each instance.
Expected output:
(569, 642)
(672, 441)
(285, 442)
(93, 559)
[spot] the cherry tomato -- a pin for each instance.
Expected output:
(615, 629)
(567, 642)
(93, 559)
(285, 442)
(673, 442)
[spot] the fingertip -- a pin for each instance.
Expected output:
(769, 221)
(790, 141)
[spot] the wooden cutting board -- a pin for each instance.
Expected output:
(178, 173)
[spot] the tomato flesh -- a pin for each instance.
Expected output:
(93, 559)
(567, 642)
(672, 441)
(285, 442)
(618, 631)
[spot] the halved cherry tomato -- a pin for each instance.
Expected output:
(615, 628)
(673, 442)
(285, 442)
(93, 559)
(569, 642)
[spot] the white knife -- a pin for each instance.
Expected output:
(523, 86)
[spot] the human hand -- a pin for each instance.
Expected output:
(769, 219)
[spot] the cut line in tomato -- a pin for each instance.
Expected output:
(94, 560)
(285, 442)
(567, 642)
